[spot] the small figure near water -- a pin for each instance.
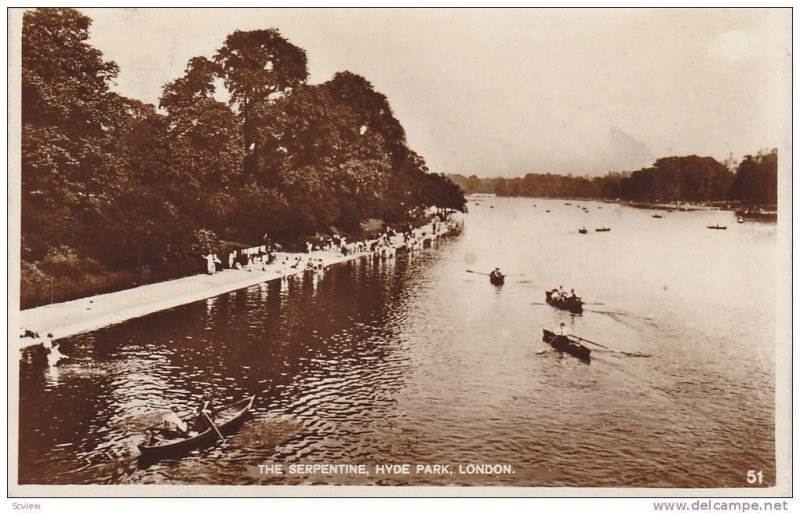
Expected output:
(53, 355)
(211, 262)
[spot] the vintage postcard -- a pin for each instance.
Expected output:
(450, 252)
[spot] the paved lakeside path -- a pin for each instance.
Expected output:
(61, 320)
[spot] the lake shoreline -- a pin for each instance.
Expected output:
(768, 213)
(60, 320)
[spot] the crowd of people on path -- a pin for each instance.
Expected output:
(255, 258)
(384, 245)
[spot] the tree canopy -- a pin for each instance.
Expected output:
(688, 178)
(123, 184)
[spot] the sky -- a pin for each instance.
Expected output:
(504, 92)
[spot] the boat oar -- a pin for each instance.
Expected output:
(625, 353)
(589, 341)
(214, 427)
(476, 272)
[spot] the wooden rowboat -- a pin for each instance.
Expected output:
(572, 305)
(567, 345)
(716, 227)
(497, 278)
(226, 420)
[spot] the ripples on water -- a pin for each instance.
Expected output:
(417, 361)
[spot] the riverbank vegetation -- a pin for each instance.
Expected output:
(751, 182)
(116, 191)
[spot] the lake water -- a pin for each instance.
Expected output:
(417, 361)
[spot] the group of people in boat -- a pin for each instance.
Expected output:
(560, 294)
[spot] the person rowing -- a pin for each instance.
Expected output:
(563, 331)
(204, 412)
(496, 274)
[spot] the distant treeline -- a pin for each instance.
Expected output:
(753, 181)
(112, 183)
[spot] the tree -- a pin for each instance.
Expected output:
(64, 79)
(257, 66)
(67, 117)
(756, 179)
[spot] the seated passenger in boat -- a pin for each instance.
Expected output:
(563, 331)
(171, 427)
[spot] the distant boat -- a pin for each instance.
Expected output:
(669, 210)
(657, 216)
(573, 305)
(567, 345)
(497, 278)
(583, 230)
(716, 227)
(568, 203)
(547, 211)
(740, 219)
(603, 229)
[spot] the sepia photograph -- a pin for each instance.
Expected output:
(540, 252)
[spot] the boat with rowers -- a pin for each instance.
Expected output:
(573, 304)
(583, 230)
(716, 227)
(496, 277)
(165, 443)
(603, 229)
(566, 345)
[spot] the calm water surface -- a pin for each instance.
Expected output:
(417, 361)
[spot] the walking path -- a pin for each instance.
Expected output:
(60, 320)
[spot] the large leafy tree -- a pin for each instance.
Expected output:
(68, 115)
(258, 66)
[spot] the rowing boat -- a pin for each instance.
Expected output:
(497, 278)
(572, 305)
(716, 227)
(226, 420)
(567, 345)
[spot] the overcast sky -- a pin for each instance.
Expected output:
(507, 92)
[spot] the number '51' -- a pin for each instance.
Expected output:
(754, 477)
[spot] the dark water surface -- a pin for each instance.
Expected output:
(416, 361)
